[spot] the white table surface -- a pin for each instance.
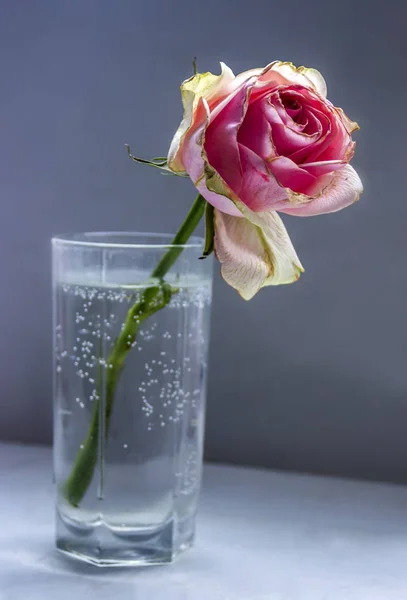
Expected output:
(262, 536)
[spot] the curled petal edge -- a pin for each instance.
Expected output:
(343, 189)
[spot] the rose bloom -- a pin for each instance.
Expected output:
(263, 141)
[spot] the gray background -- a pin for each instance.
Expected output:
(307, 377)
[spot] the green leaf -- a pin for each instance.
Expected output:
(209, 230)
(158, 163)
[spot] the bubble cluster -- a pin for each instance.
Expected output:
(160, 387)
(190, 475)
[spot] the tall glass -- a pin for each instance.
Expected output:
(128, 426)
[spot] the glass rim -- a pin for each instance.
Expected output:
(84, 239)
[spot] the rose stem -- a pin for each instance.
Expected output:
(84, 466)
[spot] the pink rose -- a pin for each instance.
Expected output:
(266, 140)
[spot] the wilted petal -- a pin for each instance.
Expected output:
(349, 125)
(283, 100)
(221, 145)
(344, 189)
(321, 168)
(316, 78)
(334, 142)
(219, 201)
(291, 103)
(260, 190)
(198, 169)
(255, 132)
(313, 124)
(212, 88)
(241, 78)
(174, 159)
(321, 182)
(291, 175)
(289, 73)
(316, 147)
(191, 151)
(254, 251)
(209, 86)
(287, 138)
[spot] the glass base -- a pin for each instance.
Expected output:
(101, 546)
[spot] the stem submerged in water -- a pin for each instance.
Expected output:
(154, 298)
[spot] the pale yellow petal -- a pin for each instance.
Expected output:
(254, 253)
(207, 85)
(174, 159)
(316, 79)
(350, 126)
(307, 77)
(202, 85)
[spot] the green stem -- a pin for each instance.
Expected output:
(154, 298)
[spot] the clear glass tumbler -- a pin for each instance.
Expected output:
(130, 360)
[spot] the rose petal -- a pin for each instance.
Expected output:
(255, 132)
(321, 168)
(241, 78)
(191, 151)
(349, 125)
(254, 251)
(219, 201)
(345, 189)
(334, 143)
(221, 137)
(321, 182)
(291, 175)
(194, 161)
(316, 78)
(277, 100)
(294, 113)
(310, 78)
(313, 124)
(203, 85)
(335, 147)
(285, 138)
(174, 159)
(259, 190)
(209, 86)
